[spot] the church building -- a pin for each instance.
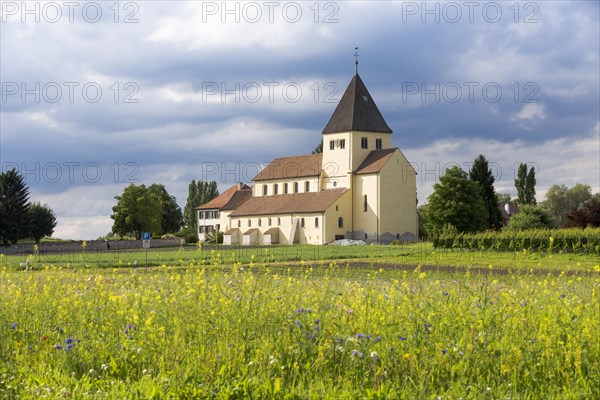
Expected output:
(358, 188)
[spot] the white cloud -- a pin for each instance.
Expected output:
(558, 161)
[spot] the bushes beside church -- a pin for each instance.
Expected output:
(585, 240)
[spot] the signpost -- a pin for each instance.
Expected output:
(146, 244)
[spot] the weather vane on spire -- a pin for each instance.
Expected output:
(356, 59)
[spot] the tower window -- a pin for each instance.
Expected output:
(276, 189)
(285, 188)
(340, 222)
(316, 222)
(307, 186)
(269, 221)
(378, 144)
(295, 187)
(239, 223)
(259, 222)
(302, 223)
(278, 221)
(342, 143)
(331, 144)
(265, 190)
(249, 222)
(364, 143)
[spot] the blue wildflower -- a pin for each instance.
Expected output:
(360, 335)
(299, 324)
(377, 338)
(69, 341)
(444, 351)
(58, 347)
(14, 325)
(403, 338)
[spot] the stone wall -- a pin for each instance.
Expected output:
(91, 245)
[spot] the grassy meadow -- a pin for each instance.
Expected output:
(281, 323)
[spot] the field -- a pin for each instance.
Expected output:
(393, 322)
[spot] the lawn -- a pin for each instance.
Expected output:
(412, 255)
(202, 326)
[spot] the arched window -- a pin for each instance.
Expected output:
(295, 187)
(302, 223)
(285, 188)
(276, 189)
(249, 222)
(259, 222)
(265, 190)
(269, 221)
(278, 221)
(340, 222)
(307, 186)
(365, 204)
(239, 223)
(316, 222)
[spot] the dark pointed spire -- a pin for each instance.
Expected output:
(356, 60)
(356, 111)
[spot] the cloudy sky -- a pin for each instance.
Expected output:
(98, 95)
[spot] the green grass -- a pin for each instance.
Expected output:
(420, 254)
(276, 331)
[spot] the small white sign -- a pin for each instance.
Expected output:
(145, 244)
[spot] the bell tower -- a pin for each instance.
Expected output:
(354, 130)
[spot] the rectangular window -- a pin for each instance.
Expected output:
(378, 144)
(342, 143)
(364, 143)
(216, 214)
(331, 144)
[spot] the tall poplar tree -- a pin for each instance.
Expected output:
(199, 193)
(525, 185)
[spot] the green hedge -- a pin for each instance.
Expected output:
(572, 240)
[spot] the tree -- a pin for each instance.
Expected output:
(588, 215)
(504, 198)
(456, 200)
(530, 187)
(525, 184)
(193, 201)
(481, 174)
(171, 217)
(138, 210)
(319, 148)
(14, 207)
(530, 217)
(199, 193)
(42, 221)
(560, 200)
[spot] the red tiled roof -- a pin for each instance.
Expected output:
(375, 161)
(289, 203)
(291, 167)
(249, 231)
(223, 199)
